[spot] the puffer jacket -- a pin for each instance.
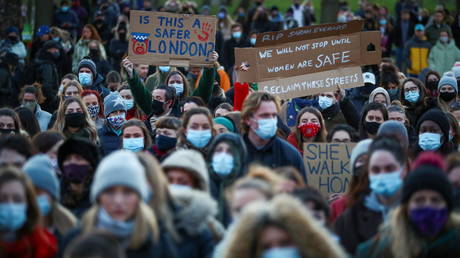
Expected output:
(443, 56)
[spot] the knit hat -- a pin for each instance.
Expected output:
(191, 161)
(427, 177)
(88, 63)
(41, 172)
(361, 148)
(397, 129)
(79, 146)
(121, 168)
(448, 78)
(380, 90)
(225, 122)
(42, 30)
(437, 116)
(113, 102)
(456, 70)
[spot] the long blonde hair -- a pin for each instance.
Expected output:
(89, 125)
(144, 219)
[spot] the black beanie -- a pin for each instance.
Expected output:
(439, 117)
(79, 146)
(426, 177)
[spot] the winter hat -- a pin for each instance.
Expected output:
(88, 63)
(437, 116)
(361, 148)
(120, 168)
(380, 90)
(427, 177)
(79, 146)
(41, 172)
(113, 102)
(12, 29)
(456, 70)
(191, 161)
(225, 122)
(397, 129)
(448, 78)
(42, 30)
(369, 78)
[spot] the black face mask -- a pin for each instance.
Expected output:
(432, 85)
(13, 38)
(122, 36)
(447, 96)
(165, 143)
(94, 52)
(158, 107)
(371, 127)
(75, 120)
(4, 131)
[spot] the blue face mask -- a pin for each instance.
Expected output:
(412, 96)
(118, 228)
(164, 69)
(386, 184)
(57, 39)
(44, 204)
(282, 252)
(221, 15)
(237, 34)
(12, 216)
(267, 128)
(129, 103)
(85, 79)
(133, 144)
(325, 102)
(179, 88)
(429, 141)
(253, 41)
(199, 138)
(393, 92)
(65, 8)
(222, 163)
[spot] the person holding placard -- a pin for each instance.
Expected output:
(310, 127)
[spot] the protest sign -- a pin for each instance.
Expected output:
(328, 166)
(158, 38)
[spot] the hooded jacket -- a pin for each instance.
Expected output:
(443, 56)
(416, 54)
(380, 90)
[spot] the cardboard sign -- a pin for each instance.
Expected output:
(310, 32)
(314, 83)
(158, 38)
(328, 166)
(307, 56)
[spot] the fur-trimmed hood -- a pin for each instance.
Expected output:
(311, 239)
(196, 209)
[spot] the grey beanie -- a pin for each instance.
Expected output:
(113, 102)
(396, 129)
(40, 170)
(448, 78)
(120, 168)
(88, 63)
(361, 148)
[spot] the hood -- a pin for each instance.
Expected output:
(99, 80)
(195, 210)
(380, 90)
(191, 161)
(239, 153)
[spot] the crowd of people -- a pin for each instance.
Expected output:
(101, 157)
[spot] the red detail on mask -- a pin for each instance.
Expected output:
(309, 130)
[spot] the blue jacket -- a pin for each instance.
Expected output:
(110, 141)
(43, 118)
(276, 153)
(98, 85)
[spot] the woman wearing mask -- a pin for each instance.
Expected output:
(81, 50)
(53, 216)
(119, 208)
(433, 133)
(9, 122)
(165, 137)
(373, 115)
(226, 159)
(178, 81)
(431, 84)
(448, 91)
(73, 119)
(32, 97)
(443, 54)
(135, 136)
(454, 132)
(77, 161)
(132, 110)
(197, 130)
(115, 118)
(280, 228)
(309, 128)
(380, 95)
(95, 107)
(413, 98)
(424, 223)
(385, 167)
(20, 234)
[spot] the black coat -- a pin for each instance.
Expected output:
(109, 140)
(276, 153)
(46, 72)
(398, 36)
(229, 51)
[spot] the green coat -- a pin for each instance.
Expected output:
(443, 56)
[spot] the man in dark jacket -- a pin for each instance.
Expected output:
(102, 66)
(118, 46)
(237, 40)
(90, 79)
(8, 83)
(66, 19)
(416, 52)
(337, 109)
(403, 31)
(259, 122)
